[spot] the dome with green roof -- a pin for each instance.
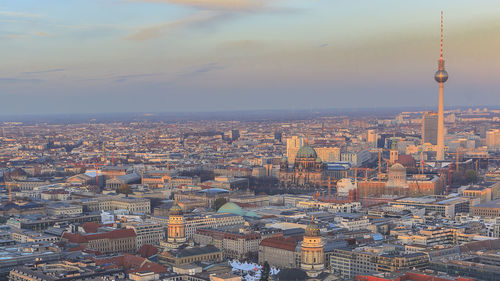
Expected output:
(251, 214)
(231, 208)
(307, 151)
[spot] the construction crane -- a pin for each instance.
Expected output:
(366, 180)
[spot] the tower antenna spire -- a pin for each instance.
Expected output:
(442, 27)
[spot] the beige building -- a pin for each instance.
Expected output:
(328, 154)
(233, 245)
(148, 233)
(431, 236)
(64, 209)
(219, 221)
(279, 252)
(133, 205)
(27, 236)
(293, 145)
(488, 209)
(493, 140)
(116, 241)
(348, 263)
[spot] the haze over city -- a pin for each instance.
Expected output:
(161, 56)
(249, 140)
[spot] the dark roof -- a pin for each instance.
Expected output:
(195, 251)
(291, 274)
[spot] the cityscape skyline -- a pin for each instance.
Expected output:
(249, 140)
(125, 62)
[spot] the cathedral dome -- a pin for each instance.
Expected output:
(175, 210)
(307, 151)
(312, 229)
(397, 167)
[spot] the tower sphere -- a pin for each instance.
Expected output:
(441, 76)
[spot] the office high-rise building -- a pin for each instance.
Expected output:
(430, 128)
(493, 140)
(372, 137)
(293, 145)
(441, 76)
(234, 135)
(278, 135)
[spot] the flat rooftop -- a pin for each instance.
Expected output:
(491, 204)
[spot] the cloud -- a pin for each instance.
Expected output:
(11, 35)
(323, 45)
(44, 71)
(41, 33)
(125, 78)
(215, 4)
(239, 44)
(18, 80)
(11, 14)
(156, 31)
(201, 70)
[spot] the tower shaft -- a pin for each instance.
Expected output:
(440, 133)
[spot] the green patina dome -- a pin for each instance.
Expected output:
(252, 214)
(307, 151)
(231, 208)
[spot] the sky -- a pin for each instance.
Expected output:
(99, 56)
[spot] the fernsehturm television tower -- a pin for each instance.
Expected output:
(441, 76)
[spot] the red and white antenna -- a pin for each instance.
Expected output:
(441, 58)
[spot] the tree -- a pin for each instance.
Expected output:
(266, 270)
(124, 189)
(471, 176)
(219, 202)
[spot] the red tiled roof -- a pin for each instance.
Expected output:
(147, 251)
(115, 234)
(288, 244)
(91, 227)
(75, 237)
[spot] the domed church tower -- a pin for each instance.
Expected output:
(312, 253)
(397, 176)
(176, 228)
